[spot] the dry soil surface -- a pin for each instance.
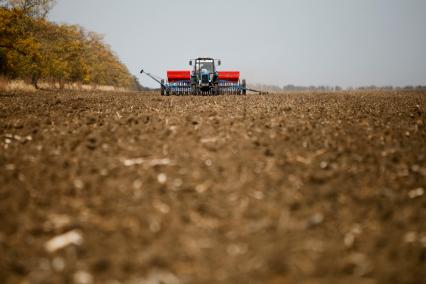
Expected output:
(285, 188)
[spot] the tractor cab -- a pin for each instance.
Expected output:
(204, 74)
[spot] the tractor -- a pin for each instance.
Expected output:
(204, 79)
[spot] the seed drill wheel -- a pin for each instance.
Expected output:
(163, 90)
(244, 86)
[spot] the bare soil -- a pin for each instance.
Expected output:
(283, 188)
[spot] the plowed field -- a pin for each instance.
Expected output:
(284, 188)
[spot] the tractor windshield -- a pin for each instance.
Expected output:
(208, 65)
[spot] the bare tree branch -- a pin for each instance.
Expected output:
(14, 49)
(34, 8)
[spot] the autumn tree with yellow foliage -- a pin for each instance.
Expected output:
(35, 49)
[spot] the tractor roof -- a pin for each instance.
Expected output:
(204, 58)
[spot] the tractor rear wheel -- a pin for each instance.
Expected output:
(196, 90)
(216, 90)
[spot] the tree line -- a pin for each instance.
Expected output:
(295, 88)
(34, 49)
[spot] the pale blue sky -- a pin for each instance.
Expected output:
(302, 42)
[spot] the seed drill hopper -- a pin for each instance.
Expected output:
(204, 79)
